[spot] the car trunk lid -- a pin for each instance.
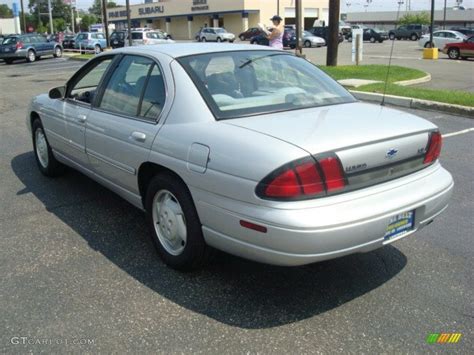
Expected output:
(373, 143)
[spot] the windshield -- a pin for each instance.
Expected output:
(220, 30)
(307, 34)
(244, 83)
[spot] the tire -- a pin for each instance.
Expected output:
(58, 52)
(171, 215)
(31, 56)
(203, 39)
(307, 44)
(253, 42)
(414, 37)
(47, 163)
(242, 38)
(380, 40)
(399, 38)
(391, 36)
(372, 39)
(8, 61)
(453, 53)
(218, 39)
(97, 49)
(231, 41)
(428, 45)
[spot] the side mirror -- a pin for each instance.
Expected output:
(57, 93)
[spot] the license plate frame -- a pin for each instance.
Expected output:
(399, 225)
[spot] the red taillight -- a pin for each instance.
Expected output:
(19, 45)
(304, 179)
(434, 148)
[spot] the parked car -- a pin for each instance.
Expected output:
(440, 38)
(468, 31)
(148, 37)
(463, 50)
(68, 41)
(413, 32)
(90, 41)
(118, 39)
(372, 35)
(323, 32)
(310, 40)
(216, 34)
(289, 38)
(251, 32)
(29, 46)
(319, 174)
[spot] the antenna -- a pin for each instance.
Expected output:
(400, 3)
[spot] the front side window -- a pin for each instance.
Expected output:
(125, 87)
(84, 88)
(243, 83)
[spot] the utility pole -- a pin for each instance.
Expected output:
(333, 32)
(105, 22)
(50, 17)
(444, 15)
(298, 19)
(278, 7)
(23, 16)
(432, 23)
(129, 23)
(73, 21)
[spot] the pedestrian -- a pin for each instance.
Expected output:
(275, 37)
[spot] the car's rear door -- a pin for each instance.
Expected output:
(125, 120)
(467, 48)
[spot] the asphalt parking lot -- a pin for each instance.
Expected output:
(79, 272)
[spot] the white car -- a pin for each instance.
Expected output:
(310, 40)
(149, 37)
(440, 38)
(216, 34)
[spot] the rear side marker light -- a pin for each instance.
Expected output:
(304, 179)
(434, 148)
(253, 226)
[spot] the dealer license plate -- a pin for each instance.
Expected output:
(400, 224)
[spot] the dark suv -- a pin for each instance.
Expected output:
(323, 32)
(413, 32)
(29, 47)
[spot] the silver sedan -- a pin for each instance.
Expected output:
(242, 148)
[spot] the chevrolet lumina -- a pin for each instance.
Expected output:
(245, 149)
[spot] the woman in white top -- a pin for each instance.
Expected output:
(275, 37)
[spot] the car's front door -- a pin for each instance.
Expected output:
(125, 120)
(467, 48)
(80, 93)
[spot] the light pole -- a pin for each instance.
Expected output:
(432, 23)
(50, 17)
(444, 15)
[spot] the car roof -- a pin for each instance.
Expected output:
(176, 50)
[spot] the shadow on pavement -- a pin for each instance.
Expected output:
(231, 290)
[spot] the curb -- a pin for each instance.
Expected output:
(79, 59)
(422, 80)
(409, 102)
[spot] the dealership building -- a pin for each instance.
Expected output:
(183, 18)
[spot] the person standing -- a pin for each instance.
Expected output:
(275, 37)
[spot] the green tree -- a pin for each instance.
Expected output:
(59, 10)
(5, 11)
(96, 8)
(422, 18)
(87, 20)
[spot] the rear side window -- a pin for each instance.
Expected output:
(125, 87)
(154, 95)
(10, 40)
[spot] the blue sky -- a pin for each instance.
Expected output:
(356, 5)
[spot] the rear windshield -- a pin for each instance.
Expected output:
(137, 35)
(117, 35)
(245, 83)
(10, 40)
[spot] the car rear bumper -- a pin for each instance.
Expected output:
(345, 225)
(18, 54)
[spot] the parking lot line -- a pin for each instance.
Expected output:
(452, 134)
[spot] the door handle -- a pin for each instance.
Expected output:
(81, 118)
(138, 136)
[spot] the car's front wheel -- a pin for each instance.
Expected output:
(219, 39)
(58, 52)
(242, 37)
(97, 49)
(307, 44)
(47, 163)
(391, 36)
(372, 39)
(203, 39)
(414, 37)
(453, 53)
(8, 61)
(174, 223)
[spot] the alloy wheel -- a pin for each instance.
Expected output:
(41, 148)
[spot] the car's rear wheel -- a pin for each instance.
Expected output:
(97, 49)
(391, 36)
(47, 163)
(242, 37)
(380, 40)
(203, 39)
(31, 56)
(453, 53)
(8, 61)
(253, 41)
(414, 37)
(372, 39)
(174, 223)
(219, 39)
(307, 44)
(58, 52)
(428, 45)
